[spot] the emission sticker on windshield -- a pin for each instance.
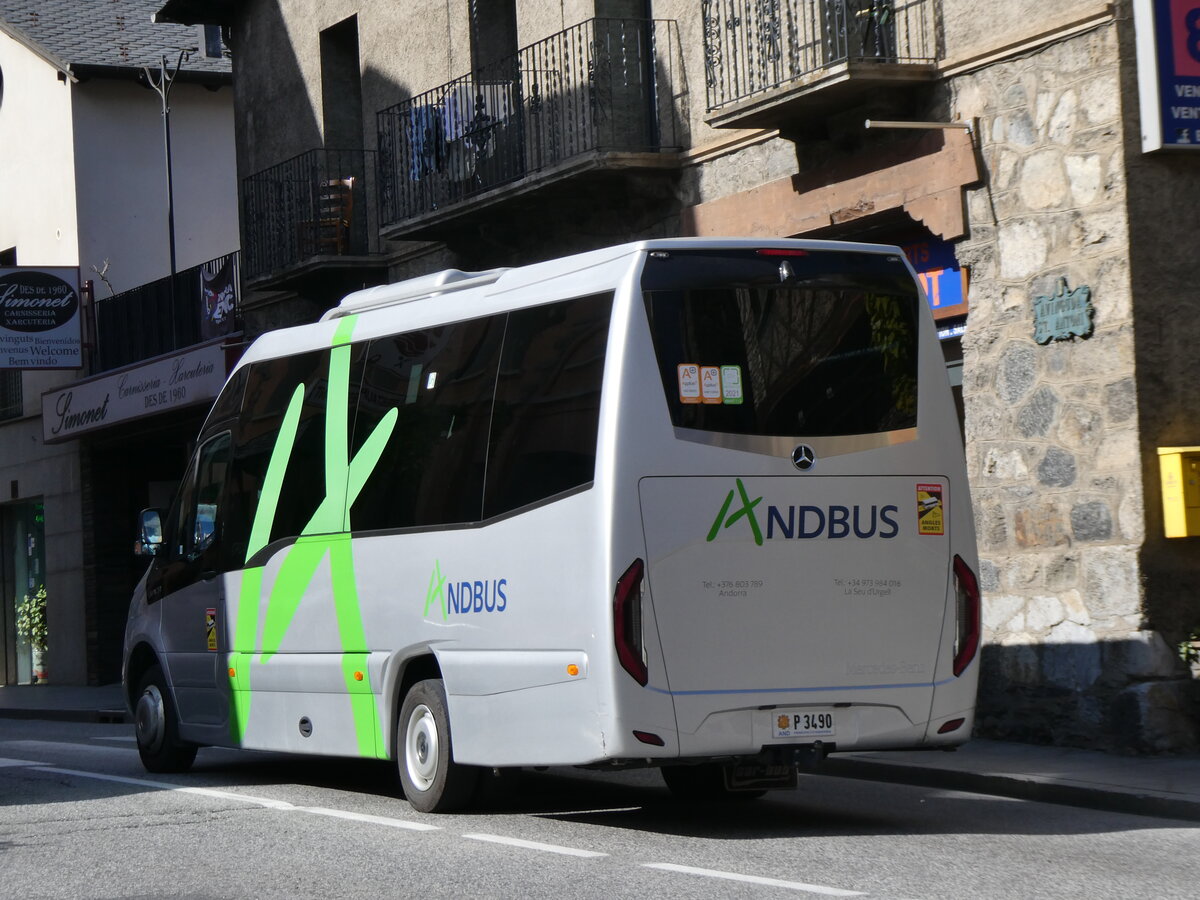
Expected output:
(716, 385)
(731, 384)
(689, 382)
(930, 514)
(710, 384)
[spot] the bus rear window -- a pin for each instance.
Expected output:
(819, 344)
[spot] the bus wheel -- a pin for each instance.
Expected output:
(701, 783)
(157, 727)
(432, 781)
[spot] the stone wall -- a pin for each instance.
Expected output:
(1052, 429)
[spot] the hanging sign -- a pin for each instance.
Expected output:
(1168, 65)
(39, 318)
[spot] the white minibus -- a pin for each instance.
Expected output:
(697, 504)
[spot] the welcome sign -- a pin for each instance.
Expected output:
(40, 319)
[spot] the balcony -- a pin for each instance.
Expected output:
(305, 222)
(779, 63)
(582, 104)
(157, 318)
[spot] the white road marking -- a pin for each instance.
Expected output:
(265, 802)
(371, 820)
(123, 740)
(11, 763)
(532, 845)
(755, 879)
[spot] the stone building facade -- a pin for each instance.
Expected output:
(1024, 175)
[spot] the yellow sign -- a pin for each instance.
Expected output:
(210, 628)
(931, 517)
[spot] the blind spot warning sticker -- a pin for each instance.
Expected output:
(731, 385)
(210, 628)
(689, 382)
(931, 517)
(710, 384)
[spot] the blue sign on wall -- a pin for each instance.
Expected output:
(1168, 55)
(944, 280)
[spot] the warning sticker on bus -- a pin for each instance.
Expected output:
(931, 517)
(210, 629)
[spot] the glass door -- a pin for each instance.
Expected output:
(22, 574)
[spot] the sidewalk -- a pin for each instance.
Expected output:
(1144, 785)
(63, 703)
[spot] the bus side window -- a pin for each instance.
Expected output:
(547, 412)
(192, 533)
(270, 387)
(441, 382)
(199, 528)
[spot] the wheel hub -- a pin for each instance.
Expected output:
(421, 748)
(150, 719)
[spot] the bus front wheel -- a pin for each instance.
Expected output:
(157, 727)
(432, 781)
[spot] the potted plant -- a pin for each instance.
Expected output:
(31, 627)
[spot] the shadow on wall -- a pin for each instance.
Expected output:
(1128, 695)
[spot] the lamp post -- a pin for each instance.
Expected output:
(161, 82)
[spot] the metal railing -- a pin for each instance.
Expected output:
(602, 85)
(312, 205)
(151, 319)
(751, 46)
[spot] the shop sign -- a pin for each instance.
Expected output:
(39, 318)
(1064, 315)
(1168, 61)
(944, 280)
(165, 383)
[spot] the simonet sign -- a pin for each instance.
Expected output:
(166, 383)
(39, 319)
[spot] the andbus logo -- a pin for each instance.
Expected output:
(806, 522)
(463, 597)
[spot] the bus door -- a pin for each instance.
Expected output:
(186, 580)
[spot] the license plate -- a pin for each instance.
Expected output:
(760, 777)
(802, 723)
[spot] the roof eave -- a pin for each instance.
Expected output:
(195, 12)
(136, 73)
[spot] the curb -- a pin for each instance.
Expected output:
(1019, 787)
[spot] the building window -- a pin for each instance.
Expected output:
(11, 400)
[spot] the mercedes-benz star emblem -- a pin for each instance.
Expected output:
(803, 457)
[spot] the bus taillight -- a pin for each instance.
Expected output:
(627, 622)
(966, 638)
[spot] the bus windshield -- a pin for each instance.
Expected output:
(800, 343)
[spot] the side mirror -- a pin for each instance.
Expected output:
(150, 536)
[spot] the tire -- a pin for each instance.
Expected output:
(432, 781)
(157, 726)
(703, 783)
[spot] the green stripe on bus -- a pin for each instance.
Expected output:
(327, 531)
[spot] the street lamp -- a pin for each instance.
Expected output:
(161, 81)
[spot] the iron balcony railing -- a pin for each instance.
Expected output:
(752, 46)
(603, 85)
(307, 208)
(152, 319)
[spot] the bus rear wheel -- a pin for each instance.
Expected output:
(432, 781)
(157, 727)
